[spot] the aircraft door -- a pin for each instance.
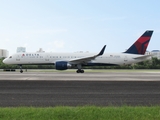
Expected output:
(18, 58)
(125, 59)
(47, 58)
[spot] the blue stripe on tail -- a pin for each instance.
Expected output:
(140, 46)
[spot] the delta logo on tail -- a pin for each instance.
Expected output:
(140, 46)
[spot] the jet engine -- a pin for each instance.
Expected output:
(62, 65)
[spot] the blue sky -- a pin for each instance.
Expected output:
(77, 25)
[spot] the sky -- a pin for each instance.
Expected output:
(77, 25)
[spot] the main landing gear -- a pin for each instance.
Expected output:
(21, 71)
(80, 71)
(79, 66)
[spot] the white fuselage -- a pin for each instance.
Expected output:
(51, 58)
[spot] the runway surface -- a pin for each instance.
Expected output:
(70, 89)
(87, 76)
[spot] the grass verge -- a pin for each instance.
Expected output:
(81, 113)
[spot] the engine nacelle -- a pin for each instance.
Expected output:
(62, 65)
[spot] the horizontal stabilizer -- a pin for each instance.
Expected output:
(143, 57)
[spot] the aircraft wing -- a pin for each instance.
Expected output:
(84, 60)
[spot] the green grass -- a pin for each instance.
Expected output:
(81, 113)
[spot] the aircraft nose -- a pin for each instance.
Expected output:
(4, 61)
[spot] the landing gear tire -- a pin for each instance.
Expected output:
(80, 71)
(21, 71)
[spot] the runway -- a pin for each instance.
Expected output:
(41, 89)
(117, 75)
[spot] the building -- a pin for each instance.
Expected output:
(3, 53)
(40, 50)
(21, 49)
(155, 53)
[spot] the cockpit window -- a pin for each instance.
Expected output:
(10, 57)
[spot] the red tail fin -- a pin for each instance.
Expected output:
(140, 46)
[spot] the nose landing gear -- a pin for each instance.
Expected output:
(21, 71)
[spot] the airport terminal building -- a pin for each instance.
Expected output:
(155, 53)
(3, 53)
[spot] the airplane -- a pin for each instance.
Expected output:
(64, 61)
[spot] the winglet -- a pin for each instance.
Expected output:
(102, 51)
